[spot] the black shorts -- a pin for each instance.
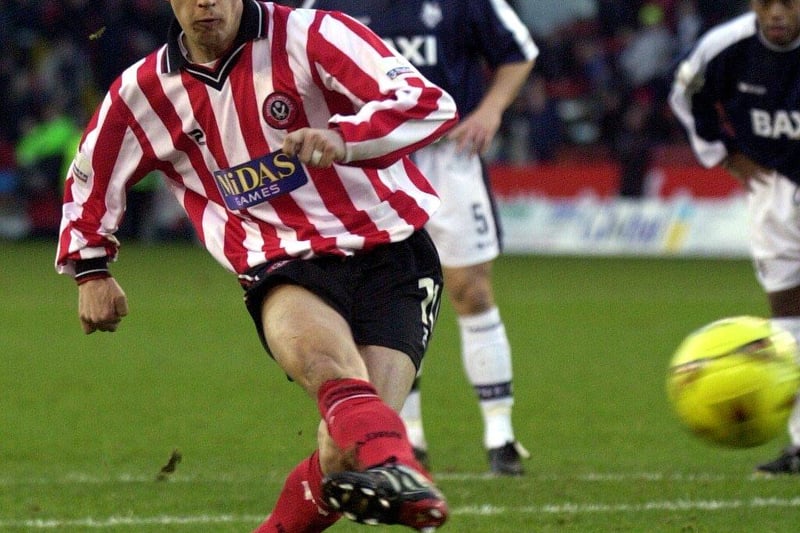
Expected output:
(389, 295)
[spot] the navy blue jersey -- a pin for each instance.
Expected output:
(737, 92)
(449, 41)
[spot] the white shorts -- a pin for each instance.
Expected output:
(464, 229)
(774, 212)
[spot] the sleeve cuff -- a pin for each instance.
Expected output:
(89, 269)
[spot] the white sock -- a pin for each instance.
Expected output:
(411, 413)
(792, 325)
(486, 355)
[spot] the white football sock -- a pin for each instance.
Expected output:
(486, 354)
(411, 413)
(792, 325)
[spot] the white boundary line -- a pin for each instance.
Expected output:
(113, 522)
(591, 477)
(593, 508)
(481, 510)
(130, 521)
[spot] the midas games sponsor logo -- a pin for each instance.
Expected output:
(259, 180)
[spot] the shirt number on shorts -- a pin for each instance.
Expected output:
(429, 306)
(481, 222)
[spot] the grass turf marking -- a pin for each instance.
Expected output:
(479, 510)
(589, 477)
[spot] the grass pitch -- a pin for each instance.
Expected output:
(88, 422)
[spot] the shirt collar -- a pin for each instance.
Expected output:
(254, 25)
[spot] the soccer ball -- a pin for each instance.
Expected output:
(733, 382)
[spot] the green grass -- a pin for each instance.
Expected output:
(86, 422)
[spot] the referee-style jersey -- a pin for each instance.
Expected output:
(215, 131)
(737, 92)
(447, 40)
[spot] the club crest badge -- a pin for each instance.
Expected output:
(431, 14)
(279, 110)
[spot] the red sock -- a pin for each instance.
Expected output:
(300, 508)
(358, 420)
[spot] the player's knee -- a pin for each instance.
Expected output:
(318, 368)
(470, 295)
(310, 362)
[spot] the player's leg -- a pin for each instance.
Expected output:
(313, 344)
(411, 413)
(392, 319)
(390, 373)
(465, 230)
(300, 506)
(775, 241)
(399, 491)
(486, 356)
(785, 307)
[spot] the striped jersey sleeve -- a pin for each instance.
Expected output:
(451, 42)
(215, 134)
(396, 108)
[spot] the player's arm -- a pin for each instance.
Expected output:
(393, 110)
(101, 305)
(93, 206)
(109, 162)
(315, 147)
(693, 102)
(506, 45)
(744, 169)
(101, 301)
(477, 130)
(701, 81)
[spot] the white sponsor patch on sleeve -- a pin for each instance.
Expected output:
(395, 67)
(81, 168)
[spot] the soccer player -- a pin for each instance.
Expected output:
(737, 95)
(284, 134)
(452, 42)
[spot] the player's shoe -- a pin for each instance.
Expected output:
(421, 455)
(388, 494)
(788, 462)
(507, 459)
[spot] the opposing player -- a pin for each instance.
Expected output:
(284, 134)
(452, 42)
(737, 96)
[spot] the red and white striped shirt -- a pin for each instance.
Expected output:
(288, 69)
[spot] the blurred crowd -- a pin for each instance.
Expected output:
(598, 91)
(600, 86)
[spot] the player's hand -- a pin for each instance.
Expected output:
(475, 133)
(744, 169)
(315, 147)
(101, 305)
